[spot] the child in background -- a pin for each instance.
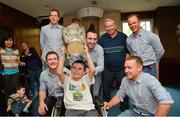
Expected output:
(18, 102)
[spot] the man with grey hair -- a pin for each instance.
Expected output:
(115, 53)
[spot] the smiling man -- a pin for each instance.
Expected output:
(51, 36)
(145, 93)
(97, 55)
(115, 53)
(49, 82)
(144, 44)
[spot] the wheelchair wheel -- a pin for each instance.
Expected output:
(99, 106)
(58, 108)
(55, 112)
(103, 112)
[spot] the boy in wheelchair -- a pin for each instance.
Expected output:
(76, 83)
(59, 109)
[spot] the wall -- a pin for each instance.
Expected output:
(24, 27)
(165, 23)
(67, 19)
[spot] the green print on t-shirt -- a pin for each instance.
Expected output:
(77, 95)
(72, 87)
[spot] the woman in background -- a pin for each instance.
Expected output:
(10, 61)
(33, 65)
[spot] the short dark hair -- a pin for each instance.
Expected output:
(80, 62)
(51, 52)
(25, 43)
(91, 29)
(137, 59)
(134, 14)
(56, 10)
(20, 86)
(6, 37)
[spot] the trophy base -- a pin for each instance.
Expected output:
(73, 58)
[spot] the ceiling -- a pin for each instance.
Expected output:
(36, 8)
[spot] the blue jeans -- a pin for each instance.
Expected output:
(17, 107)
(151, 69)
(10, 83)
(33, 78)
(130, 112)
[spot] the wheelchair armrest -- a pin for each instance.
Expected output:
(59, 102)
(58, 109)
(98, 102)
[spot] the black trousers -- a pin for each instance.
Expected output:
(10, 83)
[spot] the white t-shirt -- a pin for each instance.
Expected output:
(77, 93)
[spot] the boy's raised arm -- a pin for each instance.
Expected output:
(61, 66)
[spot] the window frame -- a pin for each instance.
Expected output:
(142, 20)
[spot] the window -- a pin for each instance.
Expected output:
(146, 24)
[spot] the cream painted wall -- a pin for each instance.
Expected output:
(67, 20)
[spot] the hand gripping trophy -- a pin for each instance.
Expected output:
(74, 38)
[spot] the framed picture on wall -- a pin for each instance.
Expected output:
(178, 26)
(178, 33)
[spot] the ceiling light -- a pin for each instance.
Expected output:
(90, 11)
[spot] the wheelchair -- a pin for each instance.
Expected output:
(57, 109)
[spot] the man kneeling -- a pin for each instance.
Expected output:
(145, 92)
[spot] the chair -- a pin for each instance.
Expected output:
(57, 109)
